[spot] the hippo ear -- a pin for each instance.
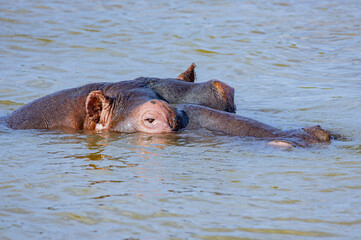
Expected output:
(189, 75)
(97, 106)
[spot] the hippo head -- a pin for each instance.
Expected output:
(131, 112)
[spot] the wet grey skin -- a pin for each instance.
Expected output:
(153, 105)
(229, 123)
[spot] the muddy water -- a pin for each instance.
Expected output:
(293, 64)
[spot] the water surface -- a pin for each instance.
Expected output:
(293, 64)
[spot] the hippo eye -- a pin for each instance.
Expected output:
(150, 120)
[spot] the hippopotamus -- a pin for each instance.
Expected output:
(153, 105)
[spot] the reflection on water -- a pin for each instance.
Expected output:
(293, 64)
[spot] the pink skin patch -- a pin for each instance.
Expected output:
(154, 116)
(280, 144)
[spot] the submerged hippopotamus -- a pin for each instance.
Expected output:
(153, 105)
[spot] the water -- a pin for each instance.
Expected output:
(293, 64)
